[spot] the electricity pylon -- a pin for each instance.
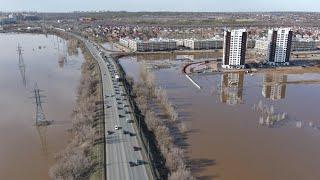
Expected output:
(22, 66)
(40, 116)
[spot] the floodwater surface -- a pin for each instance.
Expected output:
(260, 126)
(27, 151)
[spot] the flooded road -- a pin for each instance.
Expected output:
(27, 152)
(265, 126)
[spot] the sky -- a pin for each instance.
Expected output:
(160, 5)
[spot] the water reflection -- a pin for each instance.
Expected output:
(69, 49)
(42, 133)
(72, 46)
(232, 88)
(268, 116)
(274, 86)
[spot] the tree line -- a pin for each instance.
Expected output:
(77, 160)
(162, 120)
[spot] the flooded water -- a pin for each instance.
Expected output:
(26, 151)
(265, 126)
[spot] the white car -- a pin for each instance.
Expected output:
(116, 127)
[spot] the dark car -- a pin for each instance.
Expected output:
(110, 132)
(125, 132)
(136, 148)
(132, 164)
(140, 162)
(130, 121)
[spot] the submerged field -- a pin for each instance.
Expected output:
(242, 126)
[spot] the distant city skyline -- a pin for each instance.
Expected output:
(161, 5)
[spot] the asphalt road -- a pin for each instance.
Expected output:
(119, 146)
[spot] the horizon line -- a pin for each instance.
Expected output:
(161, 11)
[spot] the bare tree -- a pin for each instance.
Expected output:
(146, 93)
(181, 174)
(75, 161)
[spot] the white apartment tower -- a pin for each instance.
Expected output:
(234, 48)
(279, 47)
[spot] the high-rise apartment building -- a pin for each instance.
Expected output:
(279, 47)
(234, 48)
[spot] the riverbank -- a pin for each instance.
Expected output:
(296, 67)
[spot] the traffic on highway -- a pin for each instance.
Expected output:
(124, 155)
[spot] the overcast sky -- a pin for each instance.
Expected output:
(160, 5)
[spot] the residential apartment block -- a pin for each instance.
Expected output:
(151, 45)
(215, 43)
(234, 48)
(279, 47)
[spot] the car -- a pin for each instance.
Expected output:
(116, 127)
(125, 132)
(127, 111)
(129, 121)
(140, 162)
(132, 164)
(110, 132)
(132, 134)
(136, 148)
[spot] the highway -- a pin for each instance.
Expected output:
(119, 145)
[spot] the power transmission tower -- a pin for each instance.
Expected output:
(40, 116)
(22, 66)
